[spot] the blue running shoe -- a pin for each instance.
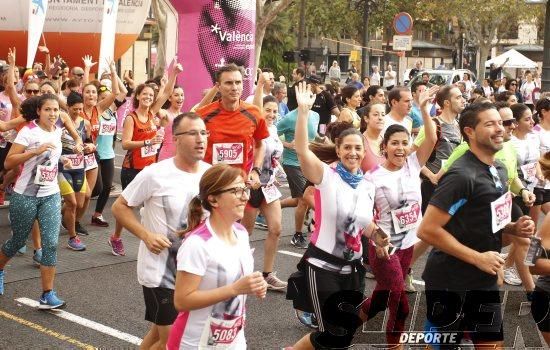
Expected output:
(37, 257)
(50, 301)
(76, 244)
(307, 319)
(1, 282)
(23, 250)
(260, 222)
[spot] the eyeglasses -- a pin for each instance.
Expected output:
(496, 178)
(238, 192)
(32, 92)
(194, 133)
(509, 122)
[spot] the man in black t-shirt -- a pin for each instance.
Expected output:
(464, 222)
(324, 103)
(494, 71)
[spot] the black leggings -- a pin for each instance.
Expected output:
(104, 183)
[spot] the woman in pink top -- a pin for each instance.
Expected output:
(175, 104)
(372, 124)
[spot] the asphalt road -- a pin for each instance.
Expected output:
(105, 306)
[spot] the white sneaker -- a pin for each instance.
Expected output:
(511, 277)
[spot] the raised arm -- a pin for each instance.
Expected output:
(108, 101)
(163, 97)
(426, 148)
(88, 64)
(10, 82)
(312, 167)
(208, 97)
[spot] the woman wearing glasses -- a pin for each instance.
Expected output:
(140, 139)
(93, 108)
(215, 266)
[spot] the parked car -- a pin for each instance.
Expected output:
(445, 76)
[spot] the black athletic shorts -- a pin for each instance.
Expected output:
(127, 175)
(3, 154)
(542, 196)
(159, 306)
(477, 312)
(540, 309)
(296, 180)
(256, 198)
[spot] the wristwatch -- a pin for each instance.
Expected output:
(257, 170)
(521, 191)
(147, 142)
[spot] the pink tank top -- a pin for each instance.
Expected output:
(371, 159)
(168, 149)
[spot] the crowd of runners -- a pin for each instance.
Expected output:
(377, 179)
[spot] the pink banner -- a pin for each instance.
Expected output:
(211, 34)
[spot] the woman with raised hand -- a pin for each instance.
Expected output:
(398, 210)
(36, 194)
(140, 139)
(344, 202)
(215, 266)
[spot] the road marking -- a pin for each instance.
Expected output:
(47, 331)
(86, 323)
(420, 283)
(290, 253)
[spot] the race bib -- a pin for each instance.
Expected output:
(501, 212)
(271, 193)
(77, 161)
(220, 334)
(148, 151)
(529, 171)
(46, 175)
(3, 142)
(90, 162)
(107, 127)
(406, 218)
(229, 153)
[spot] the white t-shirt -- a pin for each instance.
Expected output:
(204, 254)
(341, 215)
(544, 138)
(394, 190)
(273, 152)
(165, 191)
(375, 79)
(389, 78)
(527, 92)
(32, 137)
(527, 153)
(388, 121)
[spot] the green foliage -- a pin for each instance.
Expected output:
(278, 38)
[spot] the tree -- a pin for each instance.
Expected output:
(266, 12)
(276, 41)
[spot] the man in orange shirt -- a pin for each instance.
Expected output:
(236, 128)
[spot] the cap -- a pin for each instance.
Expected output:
(314, 79)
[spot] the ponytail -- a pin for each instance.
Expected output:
(194, 216)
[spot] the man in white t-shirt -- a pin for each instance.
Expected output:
(269, 79)
(165, 190)
(400, 100)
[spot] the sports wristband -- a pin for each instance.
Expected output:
(257, 170)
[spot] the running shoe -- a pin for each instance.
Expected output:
(1, 282)
(307, 319)
(299, 241)
(117, 248)
(50, 301)
(2, 197)
(80, 230)
(75, 244)
(98, 221)
(368, 272)
(260, 222)
(37, 257)
(275, 283)
(22, 250)
(511, 276)
(409, 287)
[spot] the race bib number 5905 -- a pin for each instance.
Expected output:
(229, 153)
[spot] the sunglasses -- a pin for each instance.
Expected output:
(513, 84)
(496, 178)
(509, 122)
(34, 92)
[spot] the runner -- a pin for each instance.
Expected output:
(140, 140)
(461, 271)
(72, 179)
(542, 189)
(36, 193)
(343, 203)
(164, 189)
(91, 112)
(398, 203)
(351, 97)
(215, 266)
(541, 296)
(266, 198)
(174, 109)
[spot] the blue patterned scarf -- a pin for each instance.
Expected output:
(349, 178)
